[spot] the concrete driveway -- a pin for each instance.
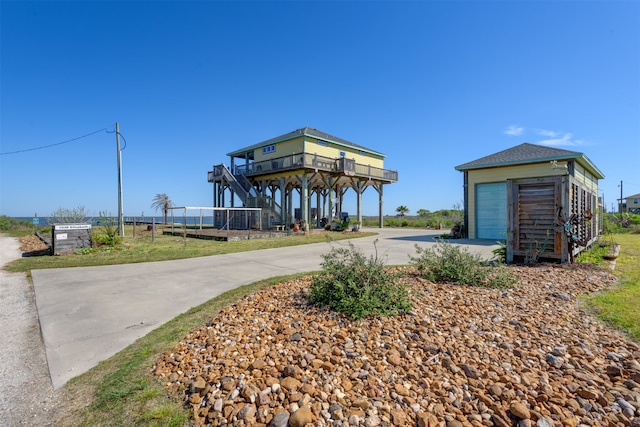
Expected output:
(88, 314)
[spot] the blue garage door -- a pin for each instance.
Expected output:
(491, 211)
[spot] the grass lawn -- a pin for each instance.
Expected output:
(141, 249)
(621, 306)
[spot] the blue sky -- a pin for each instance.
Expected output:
(431, 84)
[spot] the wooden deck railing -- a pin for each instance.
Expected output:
(313, 161)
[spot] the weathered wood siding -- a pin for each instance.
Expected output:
(66, 238)
(538, 208)
(532, 211)
(583, 201)
(502, 174)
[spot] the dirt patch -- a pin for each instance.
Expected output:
(32, 245)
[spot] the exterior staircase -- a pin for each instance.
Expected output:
(238, 183)
(245, 190)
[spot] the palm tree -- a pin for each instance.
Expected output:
(402, 210)
(162, 201)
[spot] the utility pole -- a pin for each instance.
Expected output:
(120, 221)
(620, 205)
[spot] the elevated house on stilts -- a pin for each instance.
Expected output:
(301, 176)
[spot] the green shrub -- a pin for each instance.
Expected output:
(448, 263)
(452, 263)
(5, 223)
(11, 224)
(358, 286)
(500, 253)
(625, 223)
(99, 250)
(500, 277)
(84, 251)
(108, 230)
(594, 255)
(77, 215)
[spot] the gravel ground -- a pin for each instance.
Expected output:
(464, 356)
(26, 394)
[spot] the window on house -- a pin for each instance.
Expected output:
(635, 201)
(323, 143)
(268, 149)
(342, 154)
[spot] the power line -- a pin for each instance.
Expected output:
(121, 136)
(57, 143)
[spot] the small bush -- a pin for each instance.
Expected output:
(625, 223)
(448, 263)
(84, 251)
(78, 215)
(451, 263)
(595, 255)
(9, 224)
(109, 230)
(500, 277)
(500, 253)
(358, 286)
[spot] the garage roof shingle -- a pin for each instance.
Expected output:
(529, 153)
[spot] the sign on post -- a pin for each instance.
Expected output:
(66, 238)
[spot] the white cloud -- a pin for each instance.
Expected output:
(548, 133)
(514, 130)
(552, 138)
(556, 140)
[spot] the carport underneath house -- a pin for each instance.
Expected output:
(542, 201)
(286, 174)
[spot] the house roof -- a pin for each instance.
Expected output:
(634, 196)
(529, 153)
(305, 131)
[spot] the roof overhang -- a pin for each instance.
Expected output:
(307, 131)
(580, 158)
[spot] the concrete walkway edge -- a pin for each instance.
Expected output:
(88, 314)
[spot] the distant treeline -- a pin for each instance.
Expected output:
(443, 219)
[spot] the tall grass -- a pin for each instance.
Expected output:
(620, 306)
(436, 220)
